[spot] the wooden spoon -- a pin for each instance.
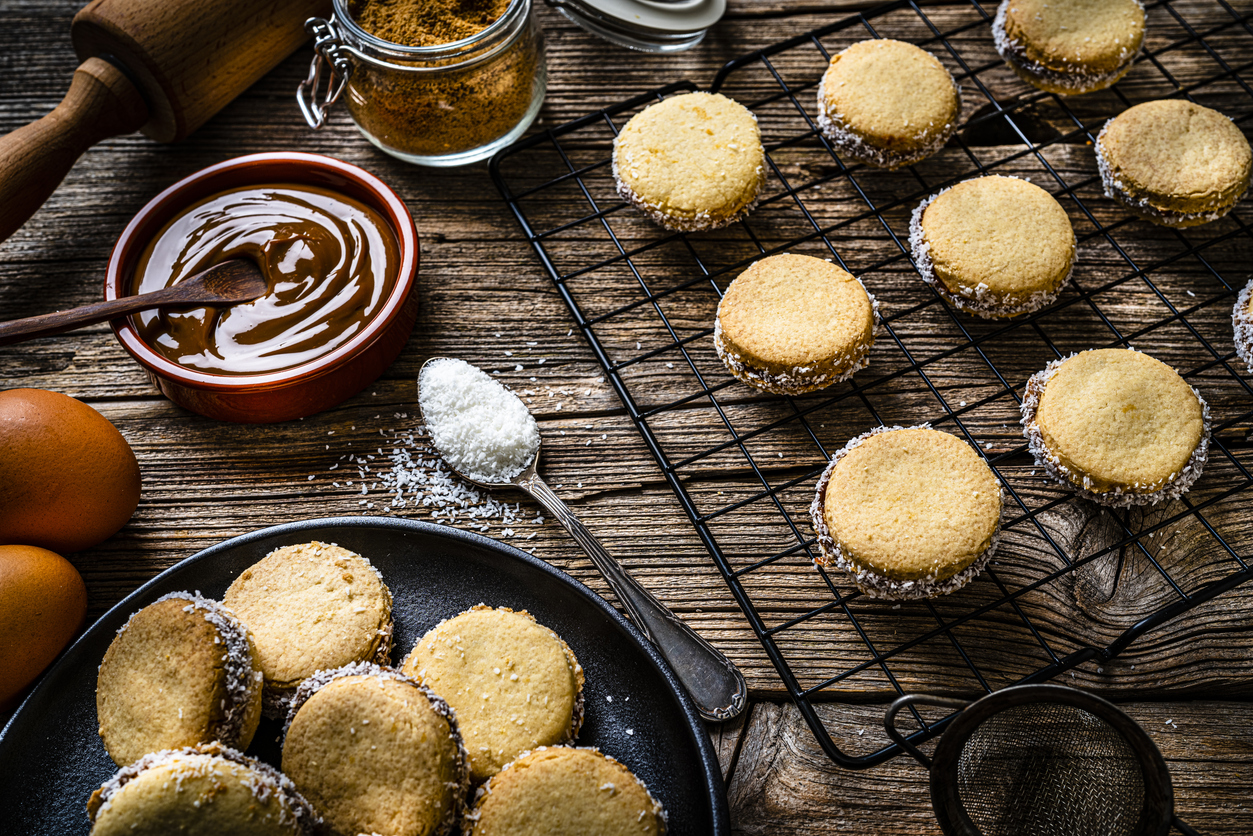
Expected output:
(228, 283)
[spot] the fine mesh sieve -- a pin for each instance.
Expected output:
(1044, 760)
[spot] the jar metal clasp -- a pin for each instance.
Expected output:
(328, 72)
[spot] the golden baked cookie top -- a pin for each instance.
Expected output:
(208, 789)
(1180, 155)
(691, 155)
(179, 673)
(513, 682)
(1098, 35)
(564, 791)
(1120, 417)
(375, 752)
(794, 311)
(1008, 235)
(889, 92)
(912, 503)
(311, 607)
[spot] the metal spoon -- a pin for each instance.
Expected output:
(712, 680)
(237, 280)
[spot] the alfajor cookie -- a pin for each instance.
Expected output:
(513, 682)
(691, 162)
(907, 512)
(204, 790)
(993, 246)
(1069, 46)
(376, 752)
(311, 607)
(1173, 162)
(1116, 426)
(791, 324)
(564, 791)
(1242, 325)
(887, 103)
(180, 672)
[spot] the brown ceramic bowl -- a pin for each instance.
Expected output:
(310, 387)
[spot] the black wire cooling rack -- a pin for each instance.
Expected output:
(744, 464)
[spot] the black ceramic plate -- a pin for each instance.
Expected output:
(51, 758)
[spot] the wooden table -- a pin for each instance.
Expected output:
(484, 294)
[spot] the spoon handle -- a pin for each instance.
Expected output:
(45, 325)
(714, 682)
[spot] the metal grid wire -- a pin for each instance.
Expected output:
(620, 276)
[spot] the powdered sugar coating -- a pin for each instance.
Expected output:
(851, 143)
(799, 379)
(1074, 82)
(321, 679)
(485, 789)
(868, 581)
(1115, 189)
(242, 678)
(1172, 487)
(973, 300)
(1242, 326)
(264, 781)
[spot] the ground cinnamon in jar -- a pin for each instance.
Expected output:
(426, 22)
(457, 101)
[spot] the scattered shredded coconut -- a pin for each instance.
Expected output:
(1075, 78)
(1172, 487)
(216, 760)
(479, 426)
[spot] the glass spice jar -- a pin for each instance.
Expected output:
(443, 105)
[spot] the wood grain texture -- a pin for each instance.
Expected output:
(784, 784)
(486, 299)
(205, 481)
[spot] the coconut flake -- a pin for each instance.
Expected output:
(1172, 487)
(1077, 79)
(977, 300)
(461, 786)
(263, 780)
(478, 425)
(800, 379)
(1242, 326)
(873, 583)
(1116, 189)
(242, 679)
(846, 138)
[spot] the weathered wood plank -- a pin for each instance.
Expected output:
(784, 783)
(727, 738)
(207, 481)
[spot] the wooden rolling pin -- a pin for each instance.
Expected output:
(160, 66)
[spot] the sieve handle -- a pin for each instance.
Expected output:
(889, 720)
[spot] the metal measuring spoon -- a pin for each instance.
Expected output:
(712, 680)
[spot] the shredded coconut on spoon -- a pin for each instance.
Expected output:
(481, 428)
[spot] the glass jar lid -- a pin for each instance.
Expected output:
(647, 25)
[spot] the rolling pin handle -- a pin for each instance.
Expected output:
(34, 159)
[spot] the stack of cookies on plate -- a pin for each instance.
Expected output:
(488, 702)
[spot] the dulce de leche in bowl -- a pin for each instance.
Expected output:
(329, 261)
(339, 252)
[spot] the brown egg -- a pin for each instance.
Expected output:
(42, 604)
(68, 479)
